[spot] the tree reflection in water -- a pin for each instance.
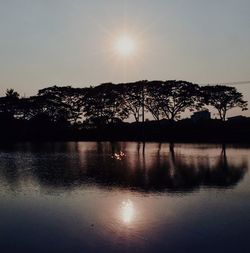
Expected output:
(136, 166)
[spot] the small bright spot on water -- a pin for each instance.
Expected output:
(118, 156)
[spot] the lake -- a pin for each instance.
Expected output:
(124, 197)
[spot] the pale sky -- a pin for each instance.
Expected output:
(72, 42)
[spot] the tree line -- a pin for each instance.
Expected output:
(112, 103)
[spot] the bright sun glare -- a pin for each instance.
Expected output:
(125, 46)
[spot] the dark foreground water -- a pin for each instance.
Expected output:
(124, 197)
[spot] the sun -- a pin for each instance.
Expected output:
(125, 46)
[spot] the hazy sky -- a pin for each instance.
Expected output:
(71, 42)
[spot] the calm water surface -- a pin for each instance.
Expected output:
(124, 197)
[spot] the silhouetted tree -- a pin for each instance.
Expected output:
(50, 106)
(174, 97)
(223, 98)
(134, 97)
(68, 100)
(104, 104)
(11, 93)
(8, 104)
(58, 107)
(25, 109)
(152, 101)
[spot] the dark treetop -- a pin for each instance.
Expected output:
(99, 112)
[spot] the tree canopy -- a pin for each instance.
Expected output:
(111, 103)
(223, 98)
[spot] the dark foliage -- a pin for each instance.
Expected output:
(98, 112)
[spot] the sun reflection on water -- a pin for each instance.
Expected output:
(127, 211)
(118, 156)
